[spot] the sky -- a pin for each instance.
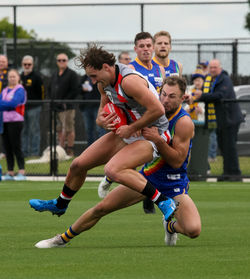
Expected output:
(121, 23)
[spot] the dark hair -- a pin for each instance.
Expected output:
(175, 80)
(143, 36)
(95, 57)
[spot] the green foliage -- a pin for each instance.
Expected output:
(43, 51)
(247, 19)
(7, 28)
(127, 243)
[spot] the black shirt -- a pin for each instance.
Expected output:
(64, 87)
(34, 87)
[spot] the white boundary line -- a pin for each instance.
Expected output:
(96, 178)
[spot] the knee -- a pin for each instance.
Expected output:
(112, 172)
(76, 166)
(193, 231)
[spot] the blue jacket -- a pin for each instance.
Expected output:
(227, 113)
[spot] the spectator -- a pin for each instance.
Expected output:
(124, 57)
(3, 72)
(3, 84)
(203, 65)
(64, 85)
(89, 91)
(12, 104)
(197, 110)
(33, 85)
(228, 117)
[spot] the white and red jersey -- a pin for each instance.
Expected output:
(131, 107)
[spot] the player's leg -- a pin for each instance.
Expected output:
(121, 169)
(187, 221)
(118, 198)
(96, 154)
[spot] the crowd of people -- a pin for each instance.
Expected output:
(158, 136)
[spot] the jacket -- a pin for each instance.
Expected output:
(64, 87)
(227, 113)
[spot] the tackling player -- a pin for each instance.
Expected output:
(123, 150)
(168, 173)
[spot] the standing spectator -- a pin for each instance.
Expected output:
(33, 85)
(203, 65)
(89, 91)
(211, 116)
(3, 72)
(124, 57)
(3, 83)
(196, 110)
(162, 48)
(12, 103)
(64, 85)
(228, 118)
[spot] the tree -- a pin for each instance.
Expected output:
(7, 28)
(43, 51)
(247, 24)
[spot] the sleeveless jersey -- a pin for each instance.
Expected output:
(153, 75)
(159, 173)
(131, 107)
(171, 70)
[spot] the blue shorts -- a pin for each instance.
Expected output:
(175, 191)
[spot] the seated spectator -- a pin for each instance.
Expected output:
(12, 103)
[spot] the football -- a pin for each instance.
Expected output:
(121, 118)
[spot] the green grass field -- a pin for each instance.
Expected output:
(126, 244)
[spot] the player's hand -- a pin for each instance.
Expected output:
(107, 120)
(125, 131)
(151, 134)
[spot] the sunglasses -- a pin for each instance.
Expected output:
(61, 60)
(27, 64)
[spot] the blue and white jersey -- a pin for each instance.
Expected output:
(153, 75)
(172, 68)
(162, 175)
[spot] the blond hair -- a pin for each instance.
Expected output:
(163, 33)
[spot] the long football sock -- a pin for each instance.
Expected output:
(151, 192)
(68, 235)
(65, 197)
(170, 227)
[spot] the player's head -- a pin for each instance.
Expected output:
(98, 64)
(162, 44)
(124, 57)
(172, 93)
(144, 46)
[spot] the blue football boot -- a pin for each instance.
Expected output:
(50, 205)
(168, 208)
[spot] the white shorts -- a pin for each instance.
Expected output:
(166, 136)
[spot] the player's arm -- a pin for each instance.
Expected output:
(176, 153)
(102, 119)
(137, 88)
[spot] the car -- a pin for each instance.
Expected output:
(243, 143)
